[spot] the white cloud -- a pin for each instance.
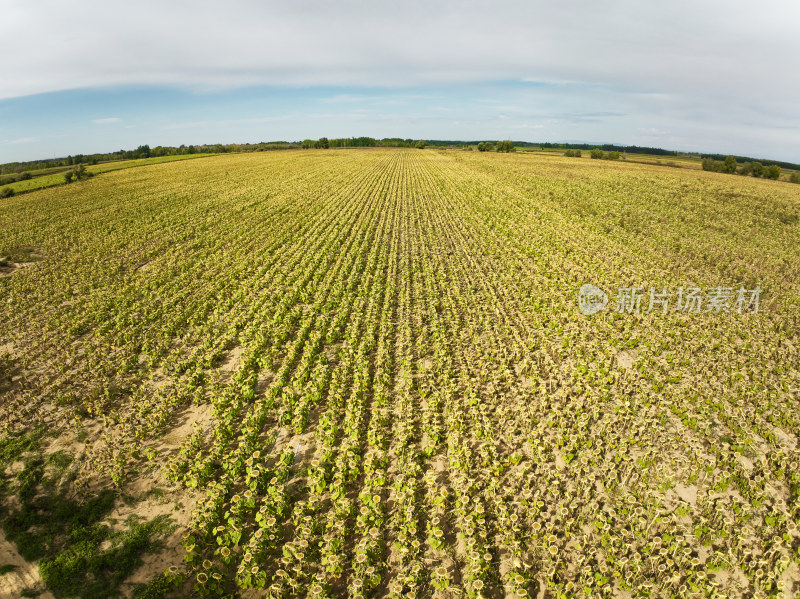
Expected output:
(681, 68)
(734, 55)
(22, 140)
(350, 98)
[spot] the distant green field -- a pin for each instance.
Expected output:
(58, 178)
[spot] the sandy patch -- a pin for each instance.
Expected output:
(190, 418)
(178, 505)
(231, 360)
(24, 576)
(687, 493)
(627, 357)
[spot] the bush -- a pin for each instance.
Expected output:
(506, 146)
(6, 192)
(420, 144)
(794, 178)
(729, 166)
(569, 154)
(485, 146)
(597, 153)
(773, 171)
(577, 153)
(25, 176)
(612, 155)
(76, 174)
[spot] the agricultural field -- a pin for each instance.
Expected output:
(365, 373)
(57, 178)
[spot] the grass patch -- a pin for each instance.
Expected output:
(19, 254)
(78, 553)
(157, 589)
(58, 178)
(13, 447)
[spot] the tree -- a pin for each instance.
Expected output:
(729, 166)
(612, 155)
(68, 176)
(569, 154)
(758, 169)
(596, 153)
(323, 143)
(773, 171)
(794, 177)
(420, 144)
(506, 146)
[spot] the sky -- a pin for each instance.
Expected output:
(87, 76)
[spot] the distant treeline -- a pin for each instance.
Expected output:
(15, 169)
(145, 151)
(745, 159)
(750, 168)
(358, 142)
(562, 146)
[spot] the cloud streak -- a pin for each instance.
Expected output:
(619, 71)
(22, 140)
(677, 45)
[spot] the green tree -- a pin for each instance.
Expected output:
(773, 171)
(729, 166)
(323, 143)
(794, 177)
(420, 144)
(569, 154)
(596, 153)
(506, 146)
(758, 169)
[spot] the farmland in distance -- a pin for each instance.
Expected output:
(364, 373)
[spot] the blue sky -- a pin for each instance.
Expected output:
(103, 76)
